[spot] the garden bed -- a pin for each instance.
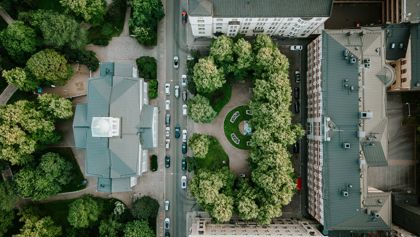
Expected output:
(231, 127)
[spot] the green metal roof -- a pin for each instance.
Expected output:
(415, 56)
(145, 127)
(341, 169)
(397, 34)
(111, 96)
(272, 8)
(374, 154)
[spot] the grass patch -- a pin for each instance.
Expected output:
(77, 180)
(216, 158)
(230, 127)
(221, 97)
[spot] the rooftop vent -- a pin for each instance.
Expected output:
(346, 145)
(366, 115)
(352, 60)
(361, 134)
(345, 193)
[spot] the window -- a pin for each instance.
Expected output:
(201, 32)
(200, 21)
(200, 28)
(218, 28)
(219, 19)
(219, 24)
(200, 25)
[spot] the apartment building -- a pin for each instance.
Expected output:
(347, 129)
(284, 18)
(116, 127)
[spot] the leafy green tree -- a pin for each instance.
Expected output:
(58, 30)
(145, 208)
(48, 178)
(8, 198)
(138, 229)
(6, 221)
(221, 50)
(147, 67)
(223, 208)
(42, 227)
(246, 202)
(50, 67)
(83, 212)
(110, 228)
(199, 144)
(145, 35)
(18, 77)
(19, 40)
(153, 89)
(242, 66)
(23, 127)
(55, 107)
(207, 76)
(262, 41)
(200, 110)
(91, 11)
(269, 61)
(145, 17)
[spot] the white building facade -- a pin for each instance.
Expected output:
(251, 17)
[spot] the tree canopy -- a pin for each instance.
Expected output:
(91, 11)
(83, 212)
(138, 229)
(44, 180)
(36, 226)
(48, 66)
(19, 40)
(199, 144)
(207, 77)
(18, 77)
(200, 110)
(6, 221)
(145, 208)
(8, 198)
(55, 107)
(145, 17)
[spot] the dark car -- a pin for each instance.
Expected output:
(184, 16)
(167, 161)
(184, 148)
(296, 92)
(167, 234)
(297, 76)
(177, 132)
(184, 164)
(296, 107)
(296, 147)
(167, 119)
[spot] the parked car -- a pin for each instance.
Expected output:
(167, 234)
(176, 91)
(296, 93)
(167, 205)
(296, 47)
(297, 76)
(177, 132)
(184, 135)
(167, 223)
(167, 132)
(167, 161)
(184, 163)
(168, 119)
(299, 183)
(176, 62)
(184, 182)
(167, 143)
(184, 148)
(296, 107)
(184, 96)
(184, 109)
(167, 104)
(183, 80)
(167, 89)
(184, 17)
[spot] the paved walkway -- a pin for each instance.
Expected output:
(6, 17)
(237, 158)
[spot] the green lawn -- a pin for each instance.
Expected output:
(216, 158)
(230, 127)
(221, 97)
(76, 182)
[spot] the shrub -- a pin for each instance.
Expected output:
(153, 89)
(145, 208)
(147, 67)
(85, 57)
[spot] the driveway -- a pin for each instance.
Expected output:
(241, 94)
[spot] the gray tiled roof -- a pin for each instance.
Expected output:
(374, 154)
(272, 8)
(200, 8)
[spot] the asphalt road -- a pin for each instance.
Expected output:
(180, 200)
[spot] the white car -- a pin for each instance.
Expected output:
(184, 109)
(176, 91)
(184, 80)
(167, 89)
(184, 182)
(167, 223)
(184, 135)
(176, 62)
(167, 104)
(168, 132)
(167, 144)
(167, 205)
(296, 47)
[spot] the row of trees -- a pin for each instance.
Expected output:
(271, 185)
(145, 16)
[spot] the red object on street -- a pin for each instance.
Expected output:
(184, 17)
(299, 183)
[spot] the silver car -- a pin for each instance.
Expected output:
(167, 205)
(167, 104)
(176, 91)
(184, 182)
(176, 62)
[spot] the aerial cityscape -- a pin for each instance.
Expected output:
(196, 118)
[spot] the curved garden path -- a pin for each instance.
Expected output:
(241, 94)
